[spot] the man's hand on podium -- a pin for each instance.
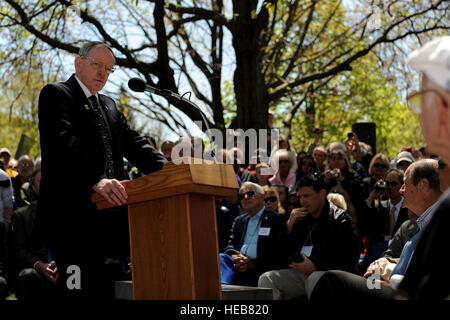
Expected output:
(112, 190)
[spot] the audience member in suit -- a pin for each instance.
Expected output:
(84, 139)
(34, 277)
(421, 194)
(382, 218)
(427, 276)
(320, 236)
(255, 241)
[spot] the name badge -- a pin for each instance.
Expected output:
(264, 231)
(306, 250)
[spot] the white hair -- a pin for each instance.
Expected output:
(258, 189)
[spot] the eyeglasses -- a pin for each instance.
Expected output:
(270, 199)
(309, 164)
(380, 165)
(249, 194)
(99, 66)
(414, 99)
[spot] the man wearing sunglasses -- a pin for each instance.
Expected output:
(255, 243)
(84, 139)
(427, 275)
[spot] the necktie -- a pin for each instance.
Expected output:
(109, 168)
(391, 221)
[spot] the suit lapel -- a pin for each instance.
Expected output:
(78, 94)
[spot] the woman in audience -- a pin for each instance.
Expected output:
(263, 180)
(286, 163)
(341, 178)
(292, 202)
(272, 200)
(307, 165)
(377, 169)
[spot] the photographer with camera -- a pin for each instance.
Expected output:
(382, 218)
(341, 178)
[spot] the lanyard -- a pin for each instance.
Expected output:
(310, 234)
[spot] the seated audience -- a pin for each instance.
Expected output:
(255, 240)
(283, 143)
(421, 191)
(282, 192)
(381, 219)
(262, 179)
(272, 200)
(285, 165)
(306, 166)
(404, 160)
(320, 236)
(340, 178)
(377, 169)
(25, 167)
(6, 198)
(291, 203)
(320, 156)
(5, 158)
(34, 276)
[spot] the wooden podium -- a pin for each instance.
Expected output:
(173, 230)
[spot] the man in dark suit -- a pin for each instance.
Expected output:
(83, 141)
(382, 218)
(255, 243)
(33, 276)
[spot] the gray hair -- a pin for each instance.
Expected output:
(258, 189)
(336, 144)
(85, 48)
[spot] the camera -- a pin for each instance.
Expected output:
(334, 174)
(318, 130)
(382, 185)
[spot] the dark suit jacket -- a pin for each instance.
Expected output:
(73, 161)
(378, 222)
(270, 254)
(24, 252)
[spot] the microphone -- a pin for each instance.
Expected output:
(139, 85)
(187, 106)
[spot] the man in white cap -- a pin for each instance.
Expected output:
(427, 275)
(404, 160)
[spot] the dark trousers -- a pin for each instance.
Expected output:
(80, 256)
(338, 285)
(30, 285)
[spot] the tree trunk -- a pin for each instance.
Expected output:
(249, 85)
